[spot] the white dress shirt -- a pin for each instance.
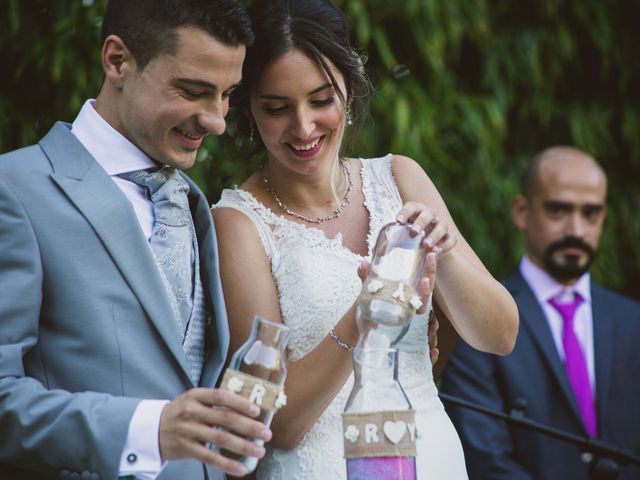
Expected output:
(544, 288)
(116, 154)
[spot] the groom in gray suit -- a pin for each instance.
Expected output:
(110, 346)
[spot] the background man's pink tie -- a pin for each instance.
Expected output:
(576, 365)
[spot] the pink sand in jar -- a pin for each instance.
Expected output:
(381, 468)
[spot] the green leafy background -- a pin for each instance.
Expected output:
(469, 88)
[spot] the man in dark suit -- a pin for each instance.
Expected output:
(113, 330)
(576, 363)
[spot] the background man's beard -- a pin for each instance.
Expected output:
(570, 268)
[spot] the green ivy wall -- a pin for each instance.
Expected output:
(469, 88)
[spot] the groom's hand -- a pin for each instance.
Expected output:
(190, 422)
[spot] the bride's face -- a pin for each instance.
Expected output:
(298, 113)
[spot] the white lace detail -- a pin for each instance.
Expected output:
(317, 283)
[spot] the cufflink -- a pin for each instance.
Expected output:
(132, 458)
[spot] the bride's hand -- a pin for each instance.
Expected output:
(426, 284)
(437, 234)
(425, 289)
(428, 281)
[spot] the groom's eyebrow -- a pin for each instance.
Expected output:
(193, 82)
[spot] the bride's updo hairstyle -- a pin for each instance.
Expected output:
(318, 29)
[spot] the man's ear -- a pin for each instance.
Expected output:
(117, 60)
(520, 211)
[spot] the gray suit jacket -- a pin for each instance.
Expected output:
(85, 324)
(533, 372)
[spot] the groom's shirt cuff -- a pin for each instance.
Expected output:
(141, 454)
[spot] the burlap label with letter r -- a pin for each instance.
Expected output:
(265, 394)
(379, 434)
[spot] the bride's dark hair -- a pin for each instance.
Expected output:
(318, 29)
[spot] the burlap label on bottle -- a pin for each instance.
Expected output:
(392, 291)
(265, 394)
(379, 434)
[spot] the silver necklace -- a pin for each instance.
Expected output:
(336, 213)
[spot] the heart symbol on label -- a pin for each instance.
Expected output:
(394, 430)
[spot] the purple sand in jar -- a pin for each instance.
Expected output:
(381, 468)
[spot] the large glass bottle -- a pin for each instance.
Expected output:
(257, 371)
(378, 421)
(389, 296)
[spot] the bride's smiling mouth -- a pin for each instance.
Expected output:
(306, 149)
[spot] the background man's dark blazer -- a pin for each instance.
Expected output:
(535, 373)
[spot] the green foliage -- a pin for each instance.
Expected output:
(490, 83)
(51, 63)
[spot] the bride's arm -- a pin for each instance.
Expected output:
(249, 289)
(479, 307)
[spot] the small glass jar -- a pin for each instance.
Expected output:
(257, 371)
(389, 296)
(378, 421)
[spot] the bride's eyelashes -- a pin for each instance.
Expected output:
(275, 110)
(280, 109)
(324, 102)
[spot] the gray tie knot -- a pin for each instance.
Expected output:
(168, 193)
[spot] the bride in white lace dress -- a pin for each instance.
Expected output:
(317, 282)
(293, 236)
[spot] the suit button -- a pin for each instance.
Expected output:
(132, 458)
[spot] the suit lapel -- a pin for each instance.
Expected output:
(111, 215)
(533, 319)
(604, 343)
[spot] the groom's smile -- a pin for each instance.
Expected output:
(192, 141)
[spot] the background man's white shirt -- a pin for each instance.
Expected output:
(545, 287)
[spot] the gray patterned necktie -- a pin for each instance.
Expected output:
(172, 241)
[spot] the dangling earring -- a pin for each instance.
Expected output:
(349, 119)
(252, 131)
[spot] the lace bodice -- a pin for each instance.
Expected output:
(317, 283)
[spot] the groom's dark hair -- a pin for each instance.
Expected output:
(148, 27)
